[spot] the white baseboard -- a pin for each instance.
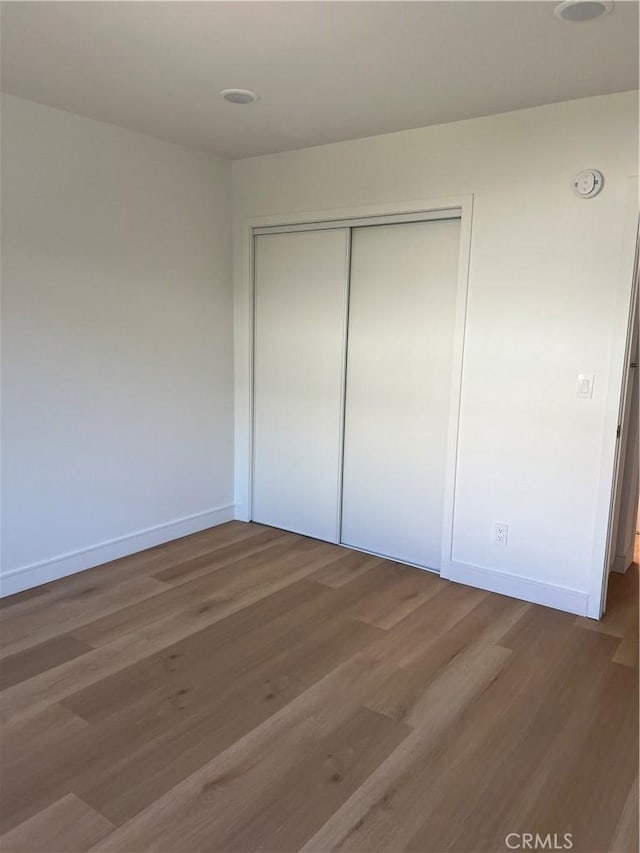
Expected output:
(526, 589)
(622, 561)
(26, 577)
(242, 512)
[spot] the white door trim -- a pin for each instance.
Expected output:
(363, 221)
(609, 464)
(244, 329)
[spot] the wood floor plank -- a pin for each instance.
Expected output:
(221, 556)
(69, 610)
(346, 566)
(620, 613)
(496, 796)
(621, 618)
(254, 633)
(128, 647)
(399, 593)
(67, 826)
(177, 551)
(30, 738)
(18, 599)
(286, 560)
(441, 778)
(324, 776)
(540, 631)
(425, 625)
(146, 773)
(242, 641)
(40, 658)
(626, 838)
(603, 730)
(217, 798)
(369, 818)
(88, 587)
(189, 721)
(402, 696)
(94, 751)
(251, 689)
(393, 812)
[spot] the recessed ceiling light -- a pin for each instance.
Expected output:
(239, 96)
(577, 11)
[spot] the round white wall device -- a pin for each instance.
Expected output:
(579, 11)
(240, 96)
(588, 183)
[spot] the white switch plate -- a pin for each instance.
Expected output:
(584, 388)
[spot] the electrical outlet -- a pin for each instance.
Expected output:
(500, 533)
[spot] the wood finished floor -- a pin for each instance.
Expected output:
(246, 689)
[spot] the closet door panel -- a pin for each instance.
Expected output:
(300, 318)
(401, 324)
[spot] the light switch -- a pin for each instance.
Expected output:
(585, 386)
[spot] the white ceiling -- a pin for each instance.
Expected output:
(326, 71)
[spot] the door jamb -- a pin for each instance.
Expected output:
(611, 466)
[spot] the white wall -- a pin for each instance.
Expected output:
(545, 302)
(117, 366)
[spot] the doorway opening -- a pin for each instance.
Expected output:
(624, 542)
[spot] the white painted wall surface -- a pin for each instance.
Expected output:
(544, 291)
(117, 413)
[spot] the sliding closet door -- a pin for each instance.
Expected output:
(401, 323)
(300, 326)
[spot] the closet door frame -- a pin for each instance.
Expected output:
(244, 325)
